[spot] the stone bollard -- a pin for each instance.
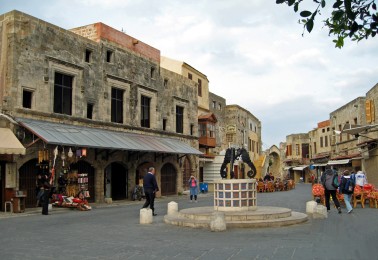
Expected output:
(145, 216)
(172, 208)
(320, 211)
(218, 222)
(310, 206)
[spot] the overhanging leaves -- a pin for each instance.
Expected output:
(354, 19)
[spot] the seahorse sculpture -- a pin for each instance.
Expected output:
(229, 158)
(245, 158)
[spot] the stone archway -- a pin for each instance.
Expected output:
(275, 162)
(83, 167)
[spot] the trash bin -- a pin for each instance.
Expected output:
(204, 187)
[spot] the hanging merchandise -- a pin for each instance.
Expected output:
(70, 153)
(55, 155)
(78, 152)
(63, 157)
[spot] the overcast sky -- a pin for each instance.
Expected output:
(252, 52)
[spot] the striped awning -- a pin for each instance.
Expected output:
(81, 136)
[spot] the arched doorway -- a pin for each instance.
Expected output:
(168, 179)
(28, 177)
(116, 186)
(85, 167)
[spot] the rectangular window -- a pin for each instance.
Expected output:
(63, 94)
(191, 129)
(179, 119)
(88, 55)
(152, 73)
(230, 138)
(253, 146)
(288, 150)
(219, 107)
(202, 129)
(145, 112)
(325, 141)
(117, 105)
(199, 88)
(27, 98)
(90, 111)
(297, 151)
(321, 141)
(190, 76)
(164, 124)
(214, 104)
(165, 82)
(314, 147)
(109, 56)
(211, 130)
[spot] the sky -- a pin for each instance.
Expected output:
(252, 52)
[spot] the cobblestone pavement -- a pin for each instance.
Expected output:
(114, 232)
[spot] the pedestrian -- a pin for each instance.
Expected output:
(150, 188)
(330, 183)
(361, 179)
(39, 190)
(193, 186)
(45, 198)
(346, 188)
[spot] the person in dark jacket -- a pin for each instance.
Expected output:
(347, 184)
(328, 180)
(150, 188)
(46, 194)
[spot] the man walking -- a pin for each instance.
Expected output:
(150, 188)
(330, 183)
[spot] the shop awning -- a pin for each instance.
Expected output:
(288, 168)
(300, 168)
(319, 165)
(336, 162)
(9, 143)
(80, 136)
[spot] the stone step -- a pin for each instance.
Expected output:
(200, 217)
(261, 213)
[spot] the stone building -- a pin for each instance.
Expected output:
(297, 157)
(207, 120)
(345, 154)
(93, 102)
(367, 136)
(320, 147)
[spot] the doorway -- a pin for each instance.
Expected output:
(168, 179)
(116, 185)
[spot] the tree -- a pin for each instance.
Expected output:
(356, 19)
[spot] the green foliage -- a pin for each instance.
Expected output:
(354, 19)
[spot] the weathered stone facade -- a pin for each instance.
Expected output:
(368, 142)
(34, 52)
(217, 106)
(297, 155)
